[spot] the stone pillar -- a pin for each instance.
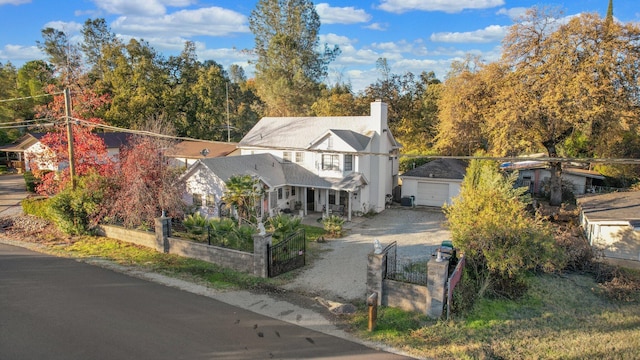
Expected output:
(437, 274)
(163, 232)
(376, 267)
(260, 261)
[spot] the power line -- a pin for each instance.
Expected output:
(28, 97)
(21, 126)
(23, 121)
(618, 161)
(135, 132)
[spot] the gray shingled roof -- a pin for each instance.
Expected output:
(440, 169)
(624, 206)
(357, 141)
(300, 132)
(275, 174)
(264, 166)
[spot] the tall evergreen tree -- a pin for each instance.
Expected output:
(289, 68)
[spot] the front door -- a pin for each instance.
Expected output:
(311, 198)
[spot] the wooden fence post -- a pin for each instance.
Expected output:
(372, 301)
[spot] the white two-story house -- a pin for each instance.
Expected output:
(356, 155)
(338, 164)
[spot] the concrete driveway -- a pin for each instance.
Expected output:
(340, 273)
(12, 191)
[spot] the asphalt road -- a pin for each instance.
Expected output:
(58, 308)
(12, 191)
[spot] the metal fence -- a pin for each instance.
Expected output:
(411, 270)
(289, 254)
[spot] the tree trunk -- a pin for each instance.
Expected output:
(555, 183)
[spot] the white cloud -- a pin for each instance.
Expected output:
(211, 21)
(135, 7)
(489, 34)
(341, 15)
(20, 53)
(377, 26)
(14, 2)
(68, 28)
(513, 13)
(448, 6)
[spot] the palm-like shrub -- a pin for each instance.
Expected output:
(281, 225)
(195, 223)
(333, 225)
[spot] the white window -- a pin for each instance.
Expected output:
(299, 157)
(286, 156)
(330, 162)
(348, 162)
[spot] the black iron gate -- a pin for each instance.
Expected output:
(287, 255)
(391, 251)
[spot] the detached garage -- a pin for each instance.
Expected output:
(434, 183)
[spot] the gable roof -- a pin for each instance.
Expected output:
(619, 206)
(440, 169)
(358, 142)
(302, 132)
(197, 149)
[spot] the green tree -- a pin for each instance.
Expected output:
(138, 84)
(64, 55)
(289, 67)
(97, 38)
(338, 101)
(243, 193)
(499, 238)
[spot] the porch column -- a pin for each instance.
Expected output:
(326, 202)
(349, 206)
(304, 201)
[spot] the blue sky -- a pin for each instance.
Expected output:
(413, 35)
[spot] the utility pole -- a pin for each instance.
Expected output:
(228, 124)
(67, 108)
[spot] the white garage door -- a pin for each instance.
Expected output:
(432, 194)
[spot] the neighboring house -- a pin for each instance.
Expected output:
(186, 153)
(344, 164)
(612, 222)
(434, 183)
(30, 150)
(535, 174)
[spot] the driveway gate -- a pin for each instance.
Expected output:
(287, 255)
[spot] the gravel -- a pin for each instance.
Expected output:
(340, 273)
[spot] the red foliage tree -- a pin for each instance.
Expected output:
(145, 185)
(90, 151)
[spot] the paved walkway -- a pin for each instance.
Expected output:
(12, 191)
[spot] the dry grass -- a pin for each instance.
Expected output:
(561, 317)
